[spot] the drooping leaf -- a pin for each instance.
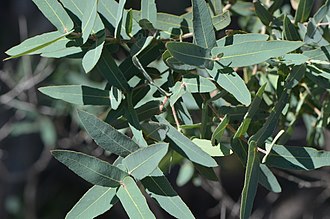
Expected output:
(56, 14)
(297, 158)
(106, 136)
(35, 44)
(241, 38)
(303, 11)
(219, 130)
(78, 94)
(190, 54)
(250, 53)
(186, 148)
(264, 15)
(149, 11)
(145, 160)
(91, 169)
(133, 200)
(161, 190)
(94, 202)
(250, 181)
(289, 30)
(204, 34)
(229, 80)
(214, 151)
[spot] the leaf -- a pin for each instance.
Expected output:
(88, 19)
(190, 54)
(214, 151)
(229, 80)
(78, 94)
(204, 34)
(216, 6)
(250, 181)
(129, 22)
(91, 169)
(56, 14)
(296, 74)
(186, 172)
(35, 44)
(116, 97)
(94, 202)
(321, 53)
(186, 148)
(297, 158)
(158, 187)
(119, 18)
(219, 130)
(289, 30)
(241, 38)
(322, 12)
(250, 53)
(133, 201)
(75, 6)
(145, 160)
(221, 21)
(149, 11)
(264, 15)
(106, 136)
(154, 130)
(303, 10)
(294, 59)
(198, 84)
(277, 4)
(109, 69)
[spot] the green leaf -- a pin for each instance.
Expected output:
(250, 53)
(78, 94)
(277, 4)
(241, 38)
(219, 130)
(216, 6)
(186, 172)
(250, 181)
(91, 169)
(129, 22)
(264, 15)
(133, 201)
(214, 151)
(303, 10)
(321, 53)
(297, 158)
(109, 69)
(229, 80)
(204, 34)
(296, 74)
(154, 130)
(149, 11)
(289, 30)
(190, 54)
(323, 11)
(116, 97)
(119, 18)
(158, 187)
(34, 44)
(56, 14)
(221, 21)
(145, 160)
(294, 59)
(198, 84)
(75, 6)
(88, 19)
(94, 202)
(186, 148)
(106, 136)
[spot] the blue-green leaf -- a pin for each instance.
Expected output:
(149, 11)
(119, 18)
(303, 10)
(289, 30)
(219, 130)
(241, 38)
(88, 19)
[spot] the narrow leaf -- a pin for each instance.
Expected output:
(149, 11)
(119, 18)
(198, 84)
(88, 19)
(186, 148)
(262, 13)
(106, 136)
(204, 34)
(289, 30)
(95, 202)
(321, 53)
(250, 53)
(154, 130)
(214, 151)
(78, 94)
(133, 200)
(56, 14)
(296, 74)
(219, 130)
(303, 11)
(91, 169)
(145, 160)
(250, 181)
(241, 38)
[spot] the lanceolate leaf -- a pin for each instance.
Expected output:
(106, 136)
(263, 13)
(217, 6)
(145, 160)
(214, 151)
(321, 53)
(204, 34)
(133, 200)
(149, 11)
(250, 53)
(161, 190)
(298, 158)
(250, 181)
(296, 74)
(303, 11)
(78, 94)
(35, 44)
(119, 18)
(198, 84)
(241, 38)
(229, 80)
(56, 14)
(91, 169)
(186, 148)
(88, 19)
(95, 202)
(289, 30)
(190, 54)
(154, 130)
(219, 130)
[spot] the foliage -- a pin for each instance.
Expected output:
(245, 87)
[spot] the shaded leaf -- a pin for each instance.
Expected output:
(214, 151)
(154, 130)
(119, 17)
(322, 53)
(303, 10)
(289, 30)
(241, 38)
(133, 200)
(296, 74)
(106, 136)
(91, 169)
(88, 19)
(264, 15)
(219, 130)
(149, 10)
